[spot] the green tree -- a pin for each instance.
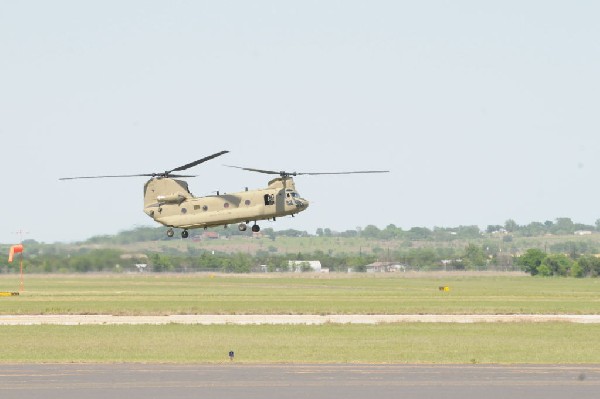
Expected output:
(589, 266)
(511, 226)
(468, 232)
(533, 229)
(563, 226)
(422, 257)
(370, 231)
(558, 264)
(474, 256)
(576, 270)
(242, 263)
(544, 270)
(160, 262)
(389, 233)
(491, 228)
(420, 233)
(531, 260)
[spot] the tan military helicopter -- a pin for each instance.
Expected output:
(168, 200)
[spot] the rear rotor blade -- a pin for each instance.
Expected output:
(103, 177)
(162, 174)
(140, 175)
(198, 162)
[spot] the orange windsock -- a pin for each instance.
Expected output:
(15, 249)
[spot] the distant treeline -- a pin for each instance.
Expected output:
(500, 247)
(561, 226)
(47, 259)
(534, 261)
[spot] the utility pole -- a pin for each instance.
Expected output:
(21, 233)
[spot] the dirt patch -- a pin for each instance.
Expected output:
(287, 319)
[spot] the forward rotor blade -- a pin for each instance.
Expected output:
(178, 176)
(198, 162)
(283, 173)
(268, 172)
(343, 173)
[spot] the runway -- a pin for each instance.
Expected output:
(145, 381)
(13, 320)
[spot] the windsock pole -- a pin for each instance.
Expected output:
(18, 249)
(22, 283)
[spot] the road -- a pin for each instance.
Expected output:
(232, 381)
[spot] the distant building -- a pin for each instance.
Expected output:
(133, 256)
(141, 267)
(305, 265)
(212, 235)
(385, 267)
(377, 267)
(583, 233)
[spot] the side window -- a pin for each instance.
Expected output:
(269, 199)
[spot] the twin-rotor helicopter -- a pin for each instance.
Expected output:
(168, 200)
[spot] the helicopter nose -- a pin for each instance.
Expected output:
(302, 204)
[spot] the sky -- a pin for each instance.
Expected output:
(482, 111)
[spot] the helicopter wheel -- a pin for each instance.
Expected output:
(242, 226)
(255, 228)
(185, 234)
(170, 233)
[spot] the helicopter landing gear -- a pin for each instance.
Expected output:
(255, 228)
(242, 227)
(171, 233)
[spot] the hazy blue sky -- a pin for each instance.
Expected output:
(483, 111)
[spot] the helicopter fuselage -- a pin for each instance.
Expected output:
(169, 202)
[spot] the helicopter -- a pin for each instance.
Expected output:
(168, 200)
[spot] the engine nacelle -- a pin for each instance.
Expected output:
(170, 199)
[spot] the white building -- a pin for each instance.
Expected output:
(298, 265)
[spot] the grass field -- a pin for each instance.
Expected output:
(280, 294)
(285, 294)
(387, 343)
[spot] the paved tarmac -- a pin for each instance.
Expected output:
(232, 381)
